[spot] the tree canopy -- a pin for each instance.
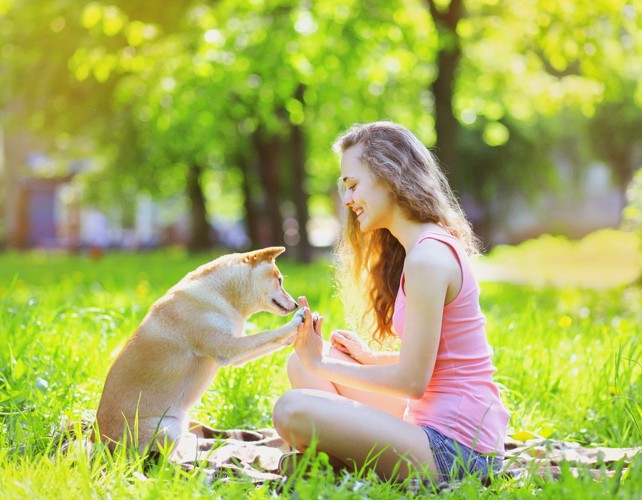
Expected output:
(235, 103)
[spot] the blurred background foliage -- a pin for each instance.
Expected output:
(234, 104)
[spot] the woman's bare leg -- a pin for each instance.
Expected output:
(354, 433)
(301, 378)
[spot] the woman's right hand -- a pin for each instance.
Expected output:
(349, 343)
(309, 342)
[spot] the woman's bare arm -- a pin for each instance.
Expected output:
(430, 270)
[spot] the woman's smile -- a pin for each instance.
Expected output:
(364, 194)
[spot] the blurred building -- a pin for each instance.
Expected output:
(43, 207)
(35, 212)
(576, 208)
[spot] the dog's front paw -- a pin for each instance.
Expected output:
(292, 327)
(299, 317)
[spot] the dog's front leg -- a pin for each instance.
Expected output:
(240, 350)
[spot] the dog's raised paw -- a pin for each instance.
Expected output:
(299, 315)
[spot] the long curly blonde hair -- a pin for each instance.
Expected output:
(373, 261)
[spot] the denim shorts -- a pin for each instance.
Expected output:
(454, 460)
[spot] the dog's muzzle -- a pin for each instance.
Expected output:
(280, 306)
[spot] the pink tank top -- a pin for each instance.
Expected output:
(461, 400)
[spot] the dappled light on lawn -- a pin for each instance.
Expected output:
(602, 260)
(567, 359)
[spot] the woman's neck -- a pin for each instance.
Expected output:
(408, 232)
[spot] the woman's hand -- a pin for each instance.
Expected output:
(349, 343)
(309, 342)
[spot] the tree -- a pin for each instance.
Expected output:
(446, 19)
(521, 66)
(251, 94)
(616, 139)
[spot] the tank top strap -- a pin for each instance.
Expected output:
(449, 240)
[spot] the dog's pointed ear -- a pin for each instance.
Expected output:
(263, 255)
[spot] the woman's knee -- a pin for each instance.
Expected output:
(289, 413)
(289, 406)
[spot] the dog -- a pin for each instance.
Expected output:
(197, 326)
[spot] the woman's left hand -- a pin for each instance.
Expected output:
(309, 342)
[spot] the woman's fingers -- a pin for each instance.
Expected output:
(346, 334)
(339, 338)
(303, 301)
(317, 324)
(337, 341)
(306, 320)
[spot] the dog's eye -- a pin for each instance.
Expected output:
(280, 280)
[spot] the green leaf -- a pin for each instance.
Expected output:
(19, 369)
(91, 15)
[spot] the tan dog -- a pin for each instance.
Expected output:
(196, 327)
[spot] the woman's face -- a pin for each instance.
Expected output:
(366, 196)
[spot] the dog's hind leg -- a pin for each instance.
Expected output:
(158, 433)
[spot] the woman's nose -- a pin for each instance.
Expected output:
(347, 198)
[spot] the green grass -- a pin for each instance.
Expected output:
(569, 361)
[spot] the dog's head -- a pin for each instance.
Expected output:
(267, 280)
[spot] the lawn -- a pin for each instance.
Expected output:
(568, 362)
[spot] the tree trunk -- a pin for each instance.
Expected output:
(251, 212)
(446, 124)
(623, 167)
(16, 145)
(299, 193)
(200, 228)
(268, 152)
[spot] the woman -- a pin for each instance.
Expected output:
(432, 406)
